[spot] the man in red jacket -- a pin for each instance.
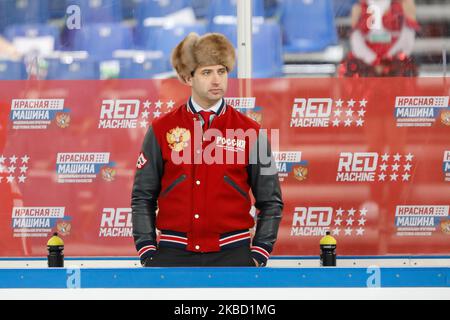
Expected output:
(197, 166)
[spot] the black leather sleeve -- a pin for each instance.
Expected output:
(265, 185)
(146, 189)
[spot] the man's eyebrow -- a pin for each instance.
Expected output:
(208, 69)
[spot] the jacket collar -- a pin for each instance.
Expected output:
(218, 109)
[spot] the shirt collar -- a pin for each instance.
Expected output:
(196, 107)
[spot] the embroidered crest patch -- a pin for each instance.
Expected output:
(141, 161)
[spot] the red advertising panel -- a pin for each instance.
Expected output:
(367, 159)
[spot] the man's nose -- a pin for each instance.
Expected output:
(215, 78)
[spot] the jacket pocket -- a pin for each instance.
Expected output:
(235, 186)
(173, 185)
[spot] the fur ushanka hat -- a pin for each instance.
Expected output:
(195, 51)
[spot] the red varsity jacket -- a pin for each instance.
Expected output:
(199, 183)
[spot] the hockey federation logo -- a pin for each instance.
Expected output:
(38, 113)
(325, 113)
(445, 117)
(373, 167)
(84, 167)
(36, 222)
(108, 174)
(301, 173)
(289, 163)
(420, 220)
(116, 223)
(246, 106)
(411, 111)
(446, 166)
(62, 120)
(116, 114)
(316, 221)
(241, 104)
(445, 226)
(128, 114)
(64, 228)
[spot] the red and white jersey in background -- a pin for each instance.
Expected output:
(381, 22)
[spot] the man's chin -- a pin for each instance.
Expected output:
(215, 97)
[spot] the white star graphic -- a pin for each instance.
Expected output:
(348, 231)
(339, 212)
(13, 159)
(339, 103)
(337, 222)
(158, 104)
(385, 157)
(144, 123)
(170, 104)
(144, 114)
(397, 157)
(23, 169)
(336, 123)
(361, 221)
(381, 177)
(1, 168)
(363, 212)
(22, 179)
(10, 179)
(363, 103)
(394, 177)
(337, 112)
(406, 177)
(25, 159)
(349, 221)
(409, 157)
(348, 122)
(349, 113)
(362, 112)
(147, 104)
(407, 167)
(359, 122)
(156, 114)
(351, 103)
(359, 232)
(351, 212)
(11, 169)
(2, 159)
(383, 167)
(336, 231)
(395, 167)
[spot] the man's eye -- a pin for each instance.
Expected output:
(205, 73)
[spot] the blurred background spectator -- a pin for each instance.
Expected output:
(7, 49)
(382, 39)
(102, 39)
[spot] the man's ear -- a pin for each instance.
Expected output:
(188, 80)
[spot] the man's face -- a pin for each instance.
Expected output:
(209, 84)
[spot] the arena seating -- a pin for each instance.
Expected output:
(314, 33)
(58, 69)
(145, 68)
(101, 39)
(308, 25)
(33, 32)
(12, 70)
(96, 11)
(23, 11)
(266, 63)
